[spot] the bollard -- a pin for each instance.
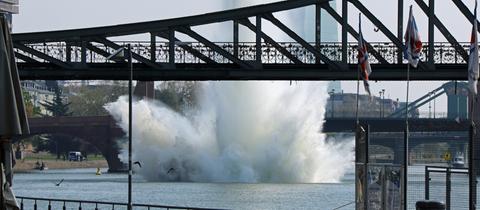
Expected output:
(430, 205)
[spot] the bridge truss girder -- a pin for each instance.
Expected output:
(182, 72)
(81, 53)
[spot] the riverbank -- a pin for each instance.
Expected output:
(27, 165)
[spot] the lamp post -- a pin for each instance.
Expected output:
(331, 99)
(434, 104)
(380, 105)
(383, 103)
(119, 54)
(430, 105)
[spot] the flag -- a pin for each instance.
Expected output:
(473, 57)
(363, 64)
(413, 44)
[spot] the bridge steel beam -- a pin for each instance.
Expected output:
(171, 47)
(383, 28)
(41, 55)
(442, 29)
(348, 125)
(269, 40)
(355, 34)
(413, 106)
(465, 11)
(431, 31)
(97, 50)
(400, 29)
(68, 52)
(135, 56)
(153, 47)
(228, 65)
(301, 41)
(119, 71)
(378, 23)
(164, 25)
(318, 28)
(214, 47)
(344, 30)
(25, 58)
(187, 48)
(83, 52)
(235, 38)
(258, 39)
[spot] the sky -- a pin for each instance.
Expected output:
(46, 15)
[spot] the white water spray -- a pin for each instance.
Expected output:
(241, 132)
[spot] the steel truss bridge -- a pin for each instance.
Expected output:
(80, 54)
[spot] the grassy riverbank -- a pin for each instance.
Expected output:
(51, 161)
(27, 165)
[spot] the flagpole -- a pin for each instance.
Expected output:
(405, 142)
(358, 93)
(358, 70)
(471, 150)
(473, 72)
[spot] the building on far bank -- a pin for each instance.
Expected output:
(39, 92)
(344, 105)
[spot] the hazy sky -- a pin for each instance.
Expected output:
(48, 15)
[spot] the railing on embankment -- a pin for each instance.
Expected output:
(64, 204)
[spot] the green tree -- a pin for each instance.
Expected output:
(32, 111)
(30, 108)
(57, 107)
(58, 144)
(90, 100)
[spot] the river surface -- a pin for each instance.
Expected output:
(83, 184)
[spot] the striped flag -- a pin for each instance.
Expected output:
(363, 64)
(473, 57)
(413, 44)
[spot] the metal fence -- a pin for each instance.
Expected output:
(64, 204)
(425, 149)
(445, 53)
(447, 184)
(384, 186)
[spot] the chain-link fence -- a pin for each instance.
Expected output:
(447, 184)
(446, 150)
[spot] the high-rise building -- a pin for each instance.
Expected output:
(302, 21)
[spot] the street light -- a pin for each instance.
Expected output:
(119, 55)
(434, 103)
(430, 105)
(380, 107)
(331, 97)
(383, 103)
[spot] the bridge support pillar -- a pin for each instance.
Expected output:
(110, 152)
(398, 152)
(145, 90)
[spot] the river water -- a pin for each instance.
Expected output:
(83, 184)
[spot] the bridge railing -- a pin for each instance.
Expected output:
(49, 203)
(377, 114)
(445, 53)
